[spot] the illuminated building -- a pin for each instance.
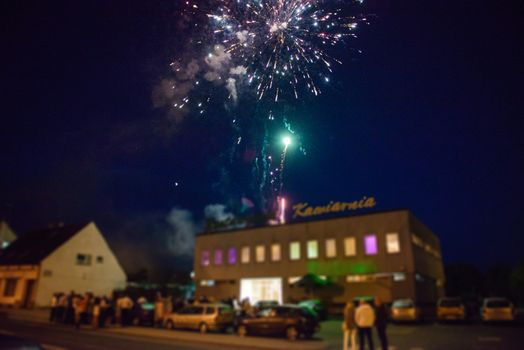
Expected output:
(388, 254)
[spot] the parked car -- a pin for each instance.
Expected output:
(143, 314)
(265, 304)
(497, 309)
(202, 317)
(289, 320)
(405, 310)
(316, 307)
(450, 309)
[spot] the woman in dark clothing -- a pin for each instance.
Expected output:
(381, 322)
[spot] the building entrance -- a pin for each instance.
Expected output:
(258, 289)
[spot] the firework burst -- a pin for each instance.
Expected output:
(283, 45)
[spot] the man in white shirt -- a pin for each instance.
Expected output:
(365, 319)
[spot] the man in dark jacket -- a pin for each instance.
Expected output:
(381, 322)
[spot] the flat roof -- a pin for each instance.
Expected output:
(306, 221)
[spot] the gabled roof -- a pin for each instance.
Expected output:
(35, 246)
(6, 233)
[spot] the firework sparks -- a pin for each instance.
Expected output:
(282, 44)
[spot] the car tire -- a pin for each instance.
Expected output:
(241, 331)
(203, 328)
(292, 333)
(170, 325)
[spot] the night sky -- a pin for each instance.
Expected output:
(429, 117)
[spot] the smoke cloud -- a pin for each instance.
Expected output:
(217, 212)
(181, 239)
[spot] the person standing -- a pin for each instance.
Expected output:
(54, 306)
(381, 322)
(126, 307)
(159, 309)
(349, 326)
(365, 319)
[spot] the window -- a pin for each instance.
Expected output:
(312, 249)
(350, 248)
(359, 278)
(331, 248)
(245, 255)
(10, 287)
(417, 240)
(392, 243)
(260, 253)
(207, 283)
(204, 258)
(232, 256)
(210, 310)
(370, 244)
(99, 259)
(83, 259)
(292, 280)
(218, 257)
(275, 252)
(399, 276)
(294, 250)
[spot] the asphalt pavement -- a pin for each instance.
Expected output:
(426, 336)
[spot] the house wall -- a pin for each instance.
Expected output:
(61, 273)
(22, 274)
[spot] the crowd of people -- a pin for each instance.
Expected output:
(100, 311)
(361, 320)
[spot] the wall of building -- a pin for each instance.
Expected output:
(22, 274)
(60, 271)
(337, 268)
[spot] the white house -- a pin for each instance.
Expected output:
(7, 236)
(59, 259)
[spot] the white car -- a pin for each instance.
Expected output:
(497, 309)
(202, 317)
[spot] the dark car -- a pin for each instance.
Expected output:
(144, 314)
(8, 342)
(316, 307)
(291, 321)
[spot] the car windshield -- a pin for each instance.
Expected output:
(450, 303)
(403, 304)
(498, 303)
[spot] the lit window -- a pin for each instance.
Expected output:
(399, 276)
(294, 250)
(204, 258)
(360, 278)
(83, 259)
(350, 248)
(312, 249)
(417, 240)
(392, 243)
(293, 280)
(218, 257)
(260, 253)
(232, 256)
(245, 255)
(370, 244)
(331, 248)
(275, 252)
(207, 283)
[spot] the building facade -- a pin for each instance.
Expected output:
(386, 254)
(59, 259)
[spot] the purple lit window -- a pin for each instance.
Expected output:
(218, 257)
(370, 244)
(232, 256)
(205, 258)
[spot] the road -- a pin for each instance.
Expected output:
(59, 337)
(428, 336)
